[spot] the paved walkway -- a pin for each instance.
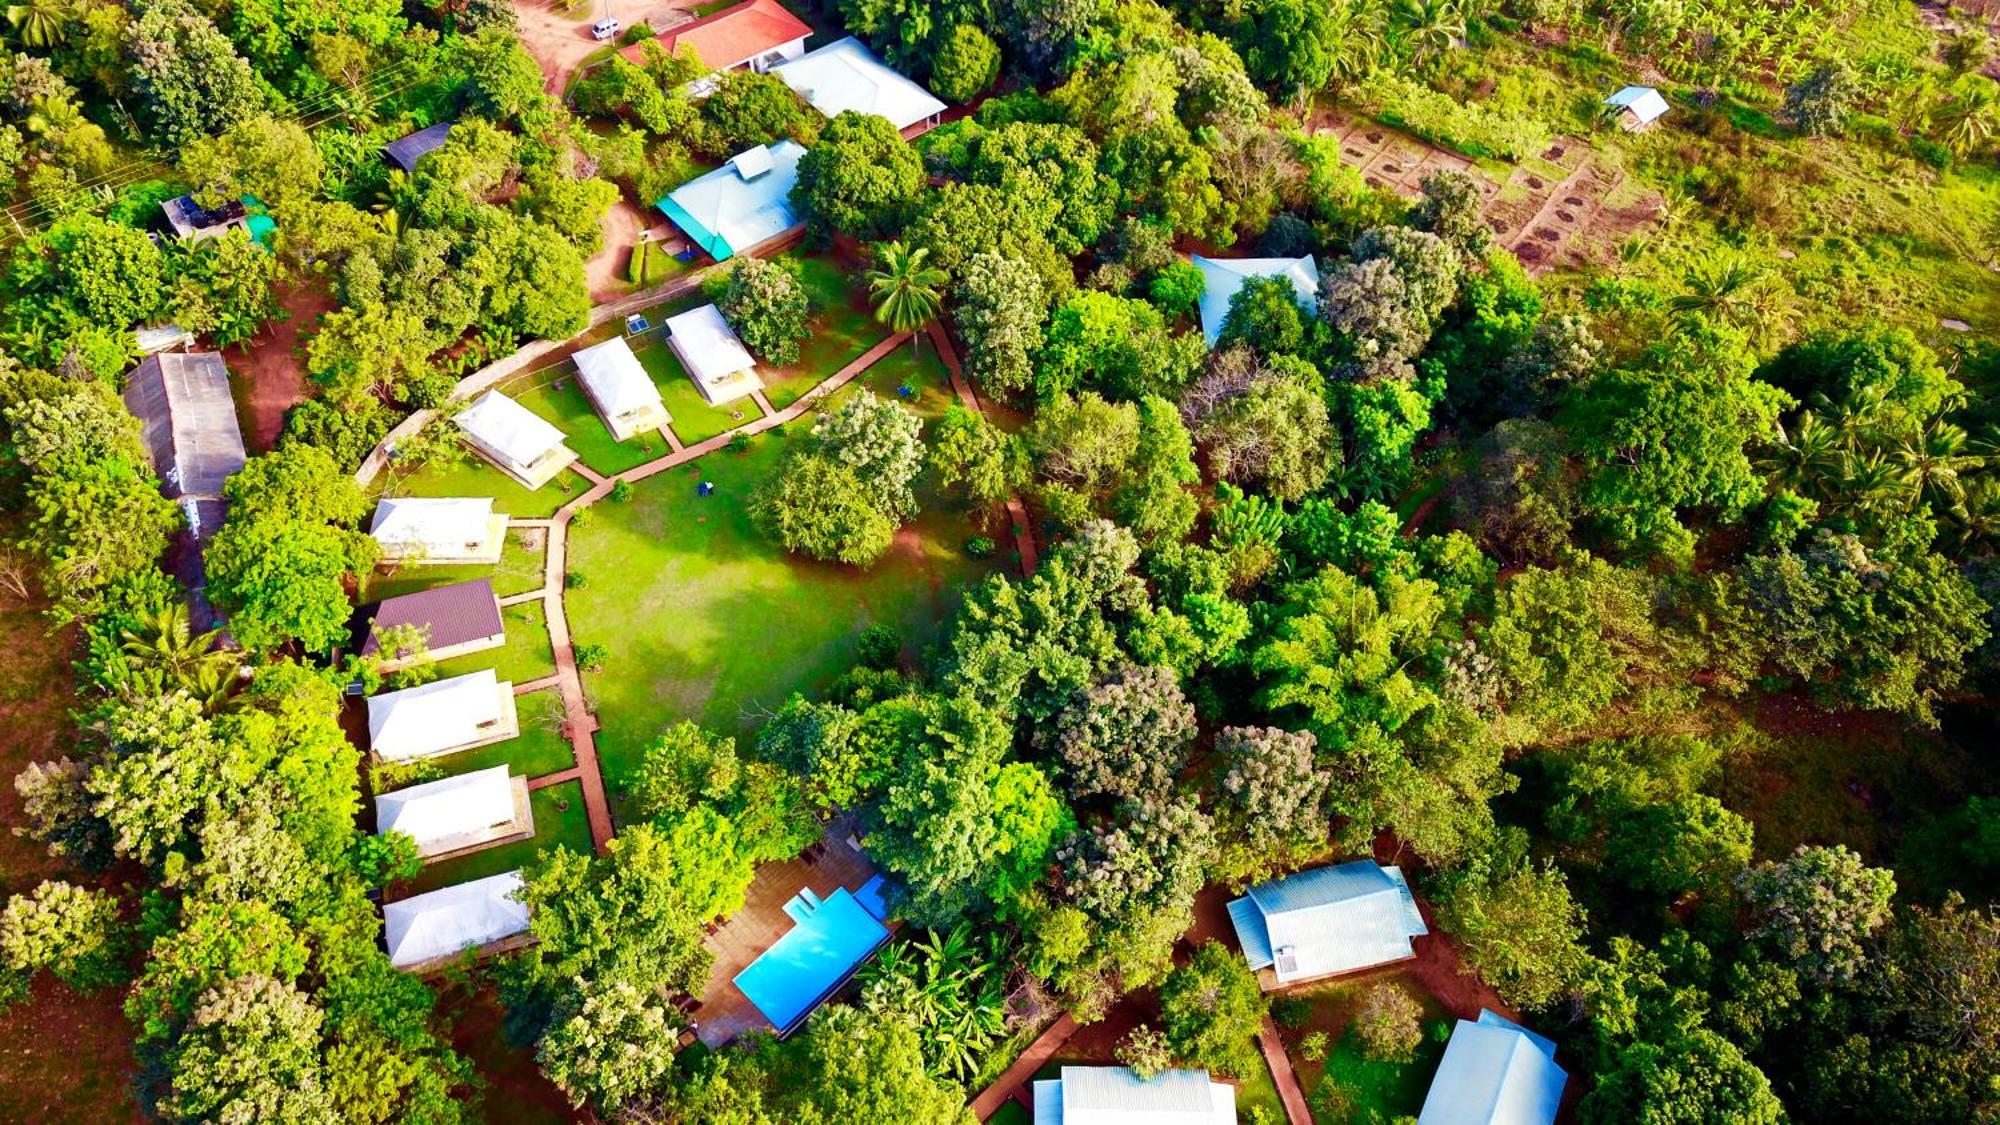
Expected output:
(1017, 512)
(1282, 1074)
(1015, 1081)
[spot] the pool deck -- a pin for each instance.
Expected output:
(726, 1013)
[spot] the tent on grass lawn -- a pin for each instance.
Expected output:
(715, 359)
(514, 439)
(439, 530)
(453, 814)
(442, 717)
(436, 926)
(618, 387)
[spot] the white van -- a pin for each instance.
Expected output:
(604, 29)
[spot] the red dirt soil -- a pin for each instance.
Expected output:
(269, 369)
(515, 1089)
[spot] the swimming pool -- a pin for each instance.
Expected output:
(811, 960)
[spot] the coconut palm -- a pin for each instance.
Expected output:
(165, 654)
(1727, 287)
(1430, 28)
(41, 23)
(1966, 123)
(1935, 463)
(907, 292)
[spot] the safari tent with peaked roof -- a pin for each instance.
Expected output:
(1115, 1095)
(714, 357)
(1495, 1072)
(1327, 920)
(1223, 278)
(443, 717)
(438, 530)
(427, 930)
(514, 439)
(741, 204)
(459, 813)
(845, 76)
(619, 389)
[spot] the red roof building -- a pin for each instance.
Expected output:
(758, 34)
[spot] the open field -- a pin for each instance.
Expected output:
(474, 477)
(525, 657)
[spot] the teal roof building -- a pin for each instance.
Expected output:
(742, 203)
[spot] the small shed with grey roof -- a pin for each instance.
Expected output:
(406, 150)
(1327, 920)
(188, 419)
(1115, 1095)
(1495, 1072)
(456, 620)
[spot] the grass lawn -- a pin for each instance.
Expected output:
(694, 419)
(475, 478)
(519, 572)
(1011, 1113)
(559, 398)
(1362, 1089)
(705, 620)
(843, 327)
(540, 749)
(525, 657)
(559, 819)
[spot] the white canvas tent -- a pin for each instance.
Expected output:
(1114, 1095)
(619, 388)
(846, 76)
(441, 717)
(1223, 278)
(442, 923)
(439, 530)
(1495, 1072)
(715, 359)
(516, 440)
(455, 813)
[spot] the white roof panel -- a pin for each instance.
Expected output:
(510, 429)
(616, 380)
(1644, 102)
(1114, 1095)
(450, 806)
(744, 212)
(846, 76)
(445, 921)
(1223, 277)
(437, 716)
(439, 526)
(708, 347)
(1327, 920)
(1494, 1073)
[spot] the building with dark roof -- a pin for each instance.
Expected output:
(188, 422)
(458, 619)
(405, 151)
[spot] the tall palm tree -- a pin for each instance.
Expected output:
(1430, 28)
(41, 23)
(1935, 463)
(1728, 287)
(908, 294)
(1966, 123)
(164, 651)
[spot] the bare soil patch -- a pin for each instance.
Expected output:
(269, 370)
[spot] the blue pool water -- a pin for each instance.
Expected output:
(808, 963)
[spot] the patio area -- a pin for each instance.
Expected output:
(831, 865)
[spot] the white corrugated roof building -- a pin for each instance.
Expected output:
(1328, 920)
(846, 75)
(714, 357)
(447, 528)
(1642, 105)
(1113, 1095)
(451, 812)
(514, 438)
(1495, 1072)
(619, 388)
(441, 717)
(446, 921)
(1222, 278)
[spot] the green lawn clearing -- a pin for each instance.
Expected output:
(1359, 1088)
(694, 419)
(705, 620)
(559, 819)
(519, 571)
(476, 478)
(1011, 1113)
(842, 328)
(558, 396)
(525, 657)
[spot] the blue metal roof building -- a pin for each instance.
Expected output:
(742, 203)
(1495, 1072)
(1327, 920)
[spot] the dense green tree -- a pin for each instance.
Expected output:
(280, 564)
(1522, 932)
(1212, 1009)
(818, 507)
(1340, 652)
(859, 178)
(881, 441)
(251, 1054)
(1265, 315)
(1271, 799)
(610, 1047)
(95, 523)
(1817, 909)
(1385, 300)
(749, 109)
(74, 932)
(1697, 1077)
(1118, 346)
(765, 303)
(966, 64)
(976, 458)
(110, 274)
(189, 76)
(1262, 423)
(1125, 736)
(224, 289)
(1001, 309)
(1450, 209)
(1288, 46)
(1819, 104)
(269, 159)
(1570, 641)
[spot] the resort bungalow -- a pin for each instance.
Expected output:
(715, 359)
(756, 34)
(1495, 1072)
(406, 150)
(476, 709)
(619, 389)
(455, 620)
(1636, 108)
(428, 931)
(454, 815)
(440, 531)
(1327, 921)
(190, 220)
(847, 76)
(741, 204)
(1223, 278)
(514, 439)
(1114, 1095)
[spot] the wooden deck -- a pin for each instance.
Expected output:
(726, 1013)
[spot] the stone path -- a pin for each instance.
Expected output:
(1282, 1074)
(528, 596)
(1015, 1080)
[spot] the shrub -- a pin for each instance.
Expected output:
(591, 657)
(980, 547)
(1291, 1012)
(1388, 1022)
(621, 491)
(1314, 1047)
(879, 647)
(1145, 1050)
(575, 580)
(738, 443)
